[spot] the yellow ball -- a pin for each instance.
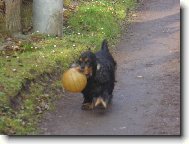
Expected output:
(73, 81)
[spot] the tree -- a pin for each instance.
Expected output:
(47, 16)
(12, 15)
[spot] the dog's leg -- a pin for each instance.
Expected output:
(103, 100)
(87, 106)
(87, 103)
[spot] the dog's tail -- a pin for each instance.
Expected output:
(105, 45)
(105, 49)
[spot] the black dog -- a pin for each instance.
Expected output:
(100, 70)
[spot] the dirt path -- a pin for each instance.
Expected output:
(147, 96)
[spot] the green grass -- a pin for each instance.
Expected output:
(87, 27)
(96, 18)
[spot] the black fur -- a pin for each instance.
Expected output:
(101, 82)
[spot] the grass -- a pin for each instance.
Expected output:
(42, 54)
(95, 17)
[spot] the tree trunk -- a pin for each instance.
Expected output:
(12, 15)
(47, 16)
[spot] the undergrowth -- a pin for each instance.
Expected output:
(87, 26)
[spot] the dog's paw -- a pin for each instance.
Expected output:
(87, 106)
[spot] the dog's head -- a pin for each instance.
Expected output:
(87, 63)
